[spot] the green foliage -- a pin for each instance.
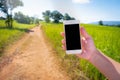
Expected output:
(3, 6)
(68, 17)
(100, 22)
(25, 19)
(8, 35)
(46, 13)
(47, 19)
(14, 3)
(46, 16)
(37, 21)
(56, 16)
(107, 39)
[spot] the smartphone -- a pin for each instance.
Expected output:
(72, 36)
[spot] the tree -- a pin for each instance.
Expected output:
(100, 22)
(7, 6)
(56, 16)
(46, 16)
(68, 17)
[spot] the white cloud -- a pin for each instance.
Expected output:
(81, 1)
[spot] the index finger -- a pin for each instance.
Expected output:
(83, 32)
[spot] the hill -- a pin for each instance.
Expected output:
(108, 22)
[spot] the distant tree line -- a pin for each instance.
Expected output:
(7, 6)
(2, 18)
(56, 16)
(21, 18)
(101, 23)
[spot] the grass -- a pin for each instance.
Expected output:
(7, 35)
(107, 39)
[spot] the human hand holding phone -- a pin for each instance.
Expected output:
(106, 65)
(87, 44)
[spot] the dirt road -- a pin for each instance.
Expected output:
(31, 59)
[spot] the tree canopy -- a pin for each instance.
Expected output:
(14, 3)
(3, 6)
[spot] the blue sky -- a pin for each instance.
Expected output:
(84, 10)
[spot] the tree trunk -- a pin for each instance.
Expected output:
(9, 21)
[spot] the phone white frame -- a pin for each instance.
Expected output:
(67, 22)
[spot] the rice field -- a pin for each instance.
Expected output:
(106, 38)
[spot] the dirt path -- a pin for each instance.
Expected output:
(31, 59)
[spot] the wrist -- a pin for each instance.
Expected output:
(94, 56)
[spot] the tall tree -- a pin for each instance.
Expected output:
(46, 16)
(100, 22)
(7, 6)
(56, 16)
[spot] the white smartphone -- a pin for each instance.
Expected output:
(72, 36)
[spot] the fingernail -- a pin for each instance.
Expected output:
(84, 40)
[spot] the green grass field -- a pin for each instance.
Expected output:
(107, 39)
(8, 36)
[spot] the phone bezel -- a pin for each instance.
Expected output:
(67, 22)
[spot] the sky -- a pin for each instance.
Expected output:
(84, 10)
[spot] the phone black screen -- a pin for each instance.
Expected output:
(72, 34)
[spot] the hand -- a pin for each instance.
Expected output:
(88, 47)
